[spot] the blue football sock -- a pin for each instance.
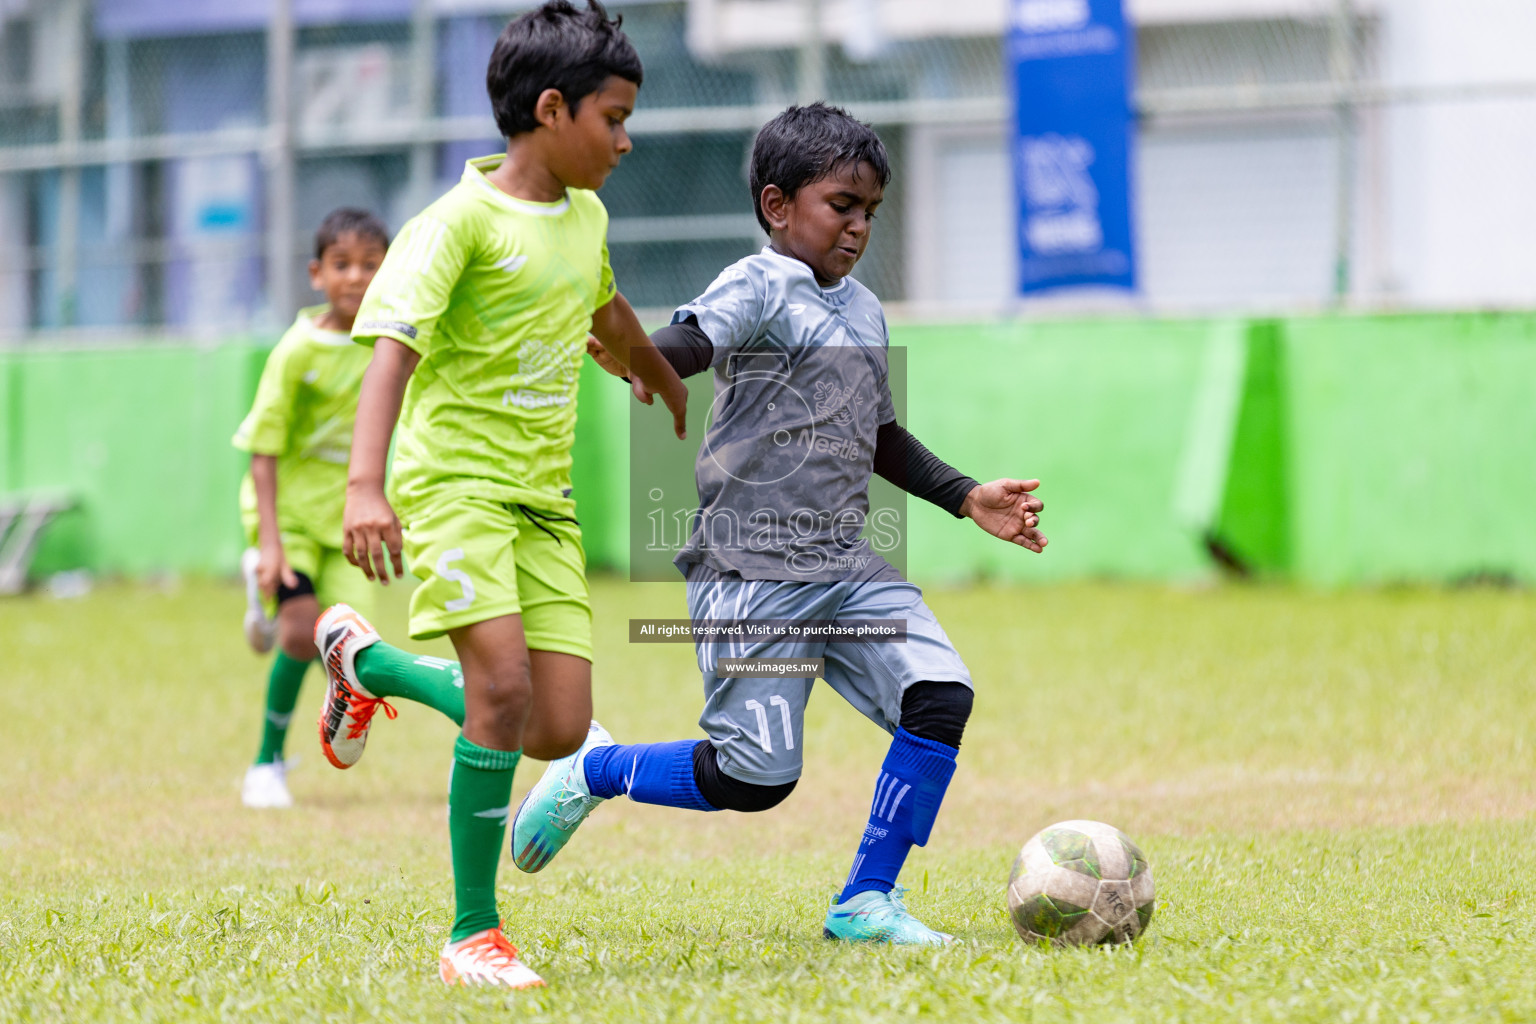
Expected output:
(907, 796)
(647, 773)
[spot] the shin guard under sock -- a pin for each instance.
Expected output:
(283, 686)
(908, 792)
(438, 683)
(647, 773)
(479, 804)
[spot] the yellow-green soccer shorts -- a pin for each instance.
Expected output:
(336, 580)
(480, 559)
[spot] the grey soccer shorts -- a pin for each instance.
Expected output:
(756, 723)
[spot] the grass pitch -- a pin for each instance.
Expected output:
(1336, 793)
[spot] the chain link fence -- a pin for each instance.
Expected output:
(163, 164)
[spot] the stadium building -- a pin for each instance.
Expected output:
(159, 159)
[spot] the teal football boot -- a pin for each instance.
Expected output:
(880, 917)
(557, 803)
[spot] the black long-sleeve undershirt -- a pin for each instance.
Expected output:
(906, 462)
(899, 457)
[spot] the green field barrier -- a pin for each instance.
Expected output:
(140, 438)
(1330, 450)
(1410, 447)
(1097, 410)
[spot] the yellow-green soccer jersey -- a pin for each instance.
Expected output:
(496, 295)
(305, 406)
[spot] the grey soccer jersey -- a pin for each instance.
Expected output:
(801, 386)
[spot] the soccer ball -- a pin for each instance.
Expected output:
(1078, 883)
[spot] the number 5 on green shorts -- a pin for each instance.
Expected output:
(480, 559)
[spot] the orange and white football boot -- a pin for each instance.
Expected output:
(486, 958)
(349, 708)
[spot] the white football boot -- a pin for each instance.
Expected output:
(266, 785)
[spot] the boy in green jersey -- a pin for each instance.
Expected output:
(478, 321)
(299, 432)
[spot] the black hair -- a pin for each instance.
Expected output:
(349, 220)
(805, 144)
(559, 47)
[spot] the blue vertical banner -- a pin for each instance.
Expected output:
(1072, 65)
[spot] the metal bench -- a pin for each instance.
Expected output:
(22, 520)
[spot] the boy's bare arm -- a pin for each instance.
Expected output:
(273, 567)
(369, 525)
(618, 329)
(1006, 510)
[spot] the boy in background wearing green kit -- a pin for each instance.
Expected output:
(478, 321)
(299, 433)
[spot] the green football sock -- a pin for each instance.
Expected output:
(282, 694)
(387, 671)
(479, 804)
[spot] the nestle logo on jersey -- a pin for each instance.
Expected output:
(836, 404)
(532, 399)
(843, 447)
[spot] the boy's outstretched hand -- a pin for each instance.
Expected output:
(1006, 509)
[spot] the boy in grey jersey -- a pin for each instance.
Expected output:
(804, 369)
(802, 419)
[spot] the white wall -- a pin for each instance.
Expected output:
(1227, 217)
(1232, 216)
(1461, 176)
(1239, 213)
(960, 216)
(717, 27)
